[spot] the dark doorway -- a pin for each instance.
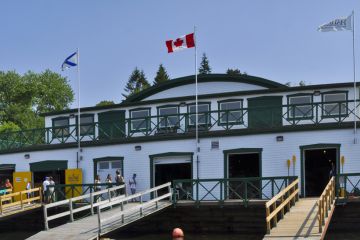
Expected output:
(58, 176)
(244, 165)
(168, 172)
(320, 164)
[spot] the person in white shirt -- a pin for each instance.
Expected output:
(45, 190)
(28, 187)
(132, 185)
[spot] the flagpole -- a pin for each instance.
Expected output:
(355, 94)
(79, 118)
(196, 110)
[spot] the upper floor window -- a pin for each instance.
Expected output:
(300, 106)
(140, 119)
(60, 127)
(334, 104)
(86, 124)
(203, 114)
(230, 112)
(168, 116)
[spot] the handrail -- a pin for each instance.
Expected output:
(9, 197)
(326, 203)
(111, 197)
(287, 198)
(138, 196)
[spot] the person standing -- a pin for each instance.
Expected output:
(132, 185)
(8, 184)
(28, 187)
(108, 180)
(46, 183)
(119, 181)
(51, 189)
(97, 188)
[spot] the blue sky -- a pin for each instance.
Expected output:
(274, 39)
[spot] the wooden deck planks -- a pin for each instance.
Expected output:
(87, 228)
(300, 223)
(17, 209)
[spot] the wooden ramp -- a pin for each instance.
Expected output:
(113, 215)
(300, 223)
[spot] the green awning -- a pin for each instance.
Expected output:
(48, 165)
(7, 167)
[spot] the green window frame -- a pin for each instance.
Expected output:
(140, 123)
(337, 108)
(204, 117)
(86, 129)
(298, 110)
(225, 115)
(60, 127)
(168, 120)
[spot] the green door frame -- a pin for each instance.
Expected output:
(240, 151)
(106, 159)
(315, 147)
(168, 154)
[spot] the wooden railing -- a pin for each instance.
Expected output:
(92, 197)
(284, 199)
(120, 215)
(27, 196)
(326, 203)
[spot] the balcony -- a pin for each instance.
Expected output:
(256, 119)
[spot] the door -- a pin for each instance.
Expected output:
(73, 176)
(20, 180)
(109, 167)
(112, 124)
(265, 112)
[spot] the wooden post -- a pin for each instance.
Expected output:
(141, 208)
(99, 221)
(71, 210)
(21, 201)
(275, 217)
(156, 202)
(92, 203)
(282, 209)
(45, 218)
(268, 223)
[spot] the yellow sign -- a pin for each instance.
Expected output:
(20, 180)
(73, 176)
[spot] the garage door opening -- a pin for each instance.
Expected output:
(244, 165)
(319, 163)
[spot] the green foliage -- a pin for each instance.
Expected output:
(8, 127)
(24, 97)
(161, 75)
(204, 65)
(105, 103)
(234, 71)
(136, 83)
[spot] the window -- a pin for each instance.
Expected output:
(116, 164)
(104, 165)
(168, 117)
(60, 127)
(140, 120)
(203, 114)
(86, 125)
(300, 107)
(334, 104)
(230, 112)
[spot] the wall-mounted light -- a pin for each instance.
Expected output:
(317, 93)
(72, 115)
(279, 138)
(138, 148)
(27, 156)
(183, 104)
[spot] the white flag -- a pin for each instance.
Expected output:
(339, 24)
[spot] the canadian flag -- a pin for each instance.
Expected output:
(186, 41)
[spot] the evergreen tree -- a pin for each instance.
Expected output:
(161, 75)
(104, 103)
(231, 71)
(136, 83)
(204, 65)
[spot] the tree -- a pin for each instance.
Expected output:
(24, 97)
(136, 83)
(234, 71)
(161, 75)
(104, 103)
(204, 65)
(302, 83)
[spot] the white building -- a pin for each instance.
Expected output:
(248, 127)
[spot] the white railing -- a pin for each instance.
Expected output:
(138, 208)
(112, 195)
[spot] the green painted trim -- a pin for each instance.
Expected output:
(208, 121)
(206, 96)
(105, 159)
(240, 151)
(240, 110)
(148, 121)
(289, 105)
(166, 106)
(313, 147)
(48, 165)
(93, 121)
(53, 127)
(168, 154)
(189, 135)
(7, 167)
(323, 103)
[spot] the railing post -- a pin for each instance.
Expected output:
(92, 202)
(156, 195)
(268, 223)
(21, 201)
(141, 207)
(275, 217)
(272, 187)
(45, 218)
(282, 209)
(71, 210)
(320, 216)
(99, 221)
(197, 191)
(246, 194)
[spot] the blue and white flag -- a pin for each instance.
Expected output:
(338, 24)
(70, 61)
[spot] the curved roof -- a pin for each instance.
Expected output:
(203, 78)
